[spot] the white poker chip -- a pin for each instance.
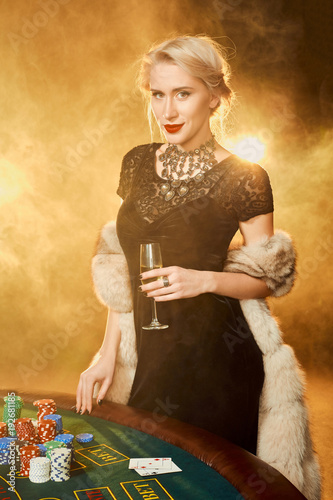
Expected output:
(40, 468)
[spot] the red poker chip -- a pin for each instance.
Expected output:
(22, 421)
(3, 429)
(41, 402)
(26, 431)
(30, 448)
(46, 439)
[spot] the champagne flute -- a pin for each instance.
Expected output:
(151, 258)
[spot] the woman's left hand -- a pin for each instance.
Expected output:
(183, 283)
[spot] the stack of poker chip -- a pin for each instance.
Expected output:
(58, 419)
(12, 411)
(46, 430)
(40, 469)
(60, 464)
(53, 445)
(26, 454)
(26, 431)
(3, 429)
(4, 450)
(67, 439)
(45, 407)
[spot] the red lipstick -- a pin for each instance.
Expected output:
(172, 129)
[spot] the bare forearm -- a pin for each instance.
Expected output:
(236, 285)
(112, 336)
(102, 367)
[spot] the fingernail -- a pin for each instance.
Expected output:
(100, 401)
(139, 289)
(140, 276)
(81, 412)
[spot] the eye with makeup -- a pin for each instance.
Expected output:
(183, 94)
(156, 94)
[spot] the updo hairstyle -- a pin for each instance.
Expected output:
(201, 57)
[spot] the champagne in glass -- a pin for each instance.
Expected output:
(151, 258)
(143, 269)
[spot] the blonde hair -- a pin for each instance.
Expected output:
(201, 57)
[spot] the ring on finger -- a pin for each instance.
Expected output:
(166, 281)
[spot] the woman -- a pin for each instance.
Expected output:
(187, 85)
(191, 195)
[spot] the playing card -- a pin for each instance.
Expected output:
(154, 472)
(150, 463)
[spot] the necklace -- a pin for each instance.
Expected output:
(177, 175)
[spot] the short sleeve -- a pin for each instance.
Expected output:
(129, 166)
(251, 193)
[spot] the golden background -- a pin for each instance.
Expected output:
(70, 111)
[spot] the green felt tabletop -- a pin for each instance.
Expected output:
(101, 468)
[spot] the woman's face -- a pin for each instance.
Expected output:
(181, 104)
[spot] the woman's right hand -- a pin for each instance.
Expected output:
(101, 370)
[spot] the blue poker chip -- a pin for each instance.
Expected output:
(5, 442)
(64, 438)
(85, 437)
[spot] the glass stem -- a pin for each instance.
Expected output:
(153, 311)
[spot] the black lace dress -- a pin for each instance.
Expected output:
(206, 368)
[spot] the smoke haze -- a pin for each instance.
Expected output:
(70, 111)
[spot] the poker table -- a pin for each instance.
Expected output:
(211, 467)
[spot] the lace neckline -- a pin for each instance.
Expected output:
(157, 145)
(146, 187)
